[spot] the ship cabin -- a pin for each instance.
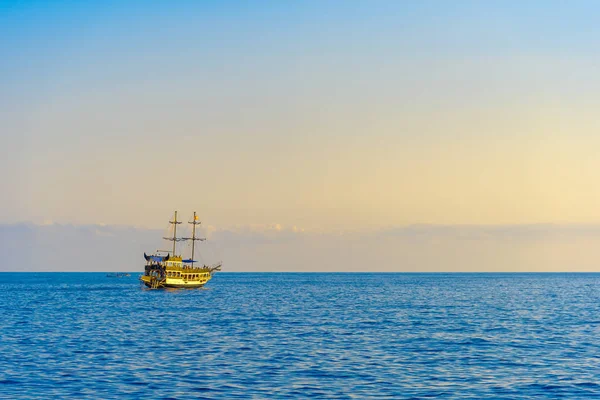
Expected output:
(177, 268)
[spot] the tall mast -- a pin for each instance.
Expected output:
(174, 239)
(194, 238)
(174, 232)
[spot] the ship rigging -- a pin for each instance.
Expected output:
(172, 271)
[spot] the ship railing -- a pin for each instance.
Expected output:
(184, 269)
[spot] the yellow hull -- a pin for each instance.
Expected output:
(154, 283)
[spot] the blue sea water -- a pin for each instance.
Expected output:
(270, 335)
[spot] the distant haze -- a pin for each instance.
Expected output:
(419, 248)
(319, 117)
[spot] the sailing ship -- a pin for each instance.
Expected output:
(171, 270)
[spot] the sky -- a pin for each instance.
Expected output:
(415, 248)
(316, 116)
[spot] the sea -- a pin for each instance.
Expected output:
(301, 336)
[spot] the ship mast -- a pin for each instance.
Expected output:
(174, 239)
(174, 232)
(194, 238)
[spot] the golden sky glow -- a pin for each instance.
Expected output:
(376, 116)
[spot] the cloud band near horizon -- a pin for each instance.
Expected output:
(416, 248)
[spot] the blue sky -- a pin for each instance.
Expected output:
(321, 115)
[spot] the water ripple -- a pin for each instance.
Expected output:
(346, 336)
